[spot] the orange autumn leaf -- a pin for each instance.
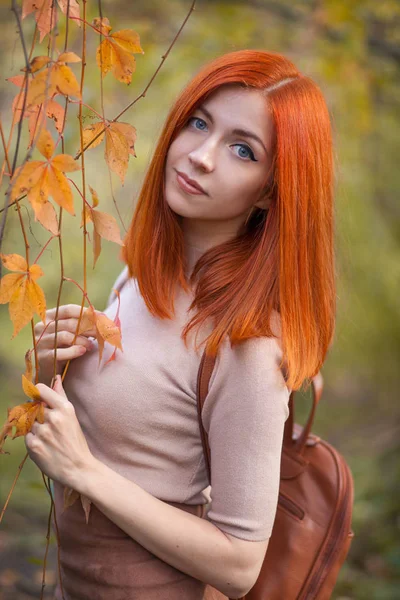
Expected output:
(22, 417)
(104, 226)
(116, 51)
(57, 78)
(106, 329)
(20, 290)
(120, 143)
(43, 13)
(54, 110)
(41, 179)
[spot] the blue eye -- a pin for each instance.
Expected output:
(196, 119)
(243, 146)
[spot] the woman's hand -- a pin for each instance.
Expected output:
(58, 446)
(67, 320)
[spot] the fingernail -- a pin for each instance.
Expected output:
(82, 350)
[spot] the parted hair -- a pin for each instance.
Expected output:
(282, 259)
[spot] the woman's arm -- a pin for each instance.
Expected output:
(187, 542)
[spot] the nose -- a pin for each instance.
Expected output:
(202, 157)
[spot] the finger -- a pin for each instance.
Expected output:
(65, 339)
(51, 397)
(63, 354)
(70, 325)
(65, 311)
(58, 387)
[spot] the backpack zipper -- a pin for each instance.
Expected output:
(316, 581)
(293, 508)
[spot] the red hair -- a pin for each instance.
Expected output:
(283, 258)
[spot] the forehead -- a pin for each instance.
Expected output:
(232, 106)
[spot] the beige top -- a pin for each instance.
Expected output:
(139, 414)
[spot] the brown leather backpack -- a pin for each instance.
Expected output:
(312, 530)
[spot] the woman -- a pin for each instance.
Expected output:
(231, 239)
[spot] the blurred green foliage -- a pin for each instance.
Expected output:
(351, 48)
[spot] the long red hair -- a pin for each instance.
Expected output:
(283, 258)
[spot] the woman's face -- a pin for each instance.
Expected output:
(231, 166)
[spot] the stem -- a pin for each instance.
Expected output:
(13, 486)
(84, 290)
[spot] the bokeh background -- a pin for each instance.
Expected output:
(352, 49)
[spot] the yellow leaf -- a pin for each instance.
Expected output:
(128, 40)
(37, 298)
(95, 197)
(117, 152)
(45, 143)
(20, 308)
(129, 132)
(90, 132)
(59, 189)
(14, 262)
(65, 81)
(46, 215)
(88, 321)
(109, 330)
(106, 226)
(65, 162)
(30, 389)
(8, 285)
(28, 365)
(96, 247)
(69, 57)
(37, 63)
(38, 88)
(25, 178)
(35, 271)
(105, 56)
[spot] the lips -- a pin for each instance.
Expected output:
(192, 182)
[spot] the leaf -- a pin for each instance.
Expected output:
(24, 295)
(90, 132)
(59, 189)
(116, 51)
(69, 57)
(45, 143)
(14, 262)
(120, 142)
(43, 13)
(39, 179)
(107, 330)
(54, 110)
(22, 418)
(30, 389)
(95, 197)
(28, 365)
(37, 63)
(70, 496)
(57, 78)
(86, 504)
(106, 226)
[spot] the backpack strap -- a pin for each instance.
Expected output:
(297, 443)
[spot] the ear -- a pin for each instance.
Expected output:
(264, 203)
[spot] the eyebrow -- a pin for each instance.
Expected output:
(242, 132)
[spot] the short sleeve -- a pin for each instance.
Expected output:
(244, 415)
(118, 285)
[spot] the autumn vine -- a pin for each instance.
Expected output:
(47, 86)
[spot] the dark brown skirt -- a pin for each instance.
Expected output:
(99, 561)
